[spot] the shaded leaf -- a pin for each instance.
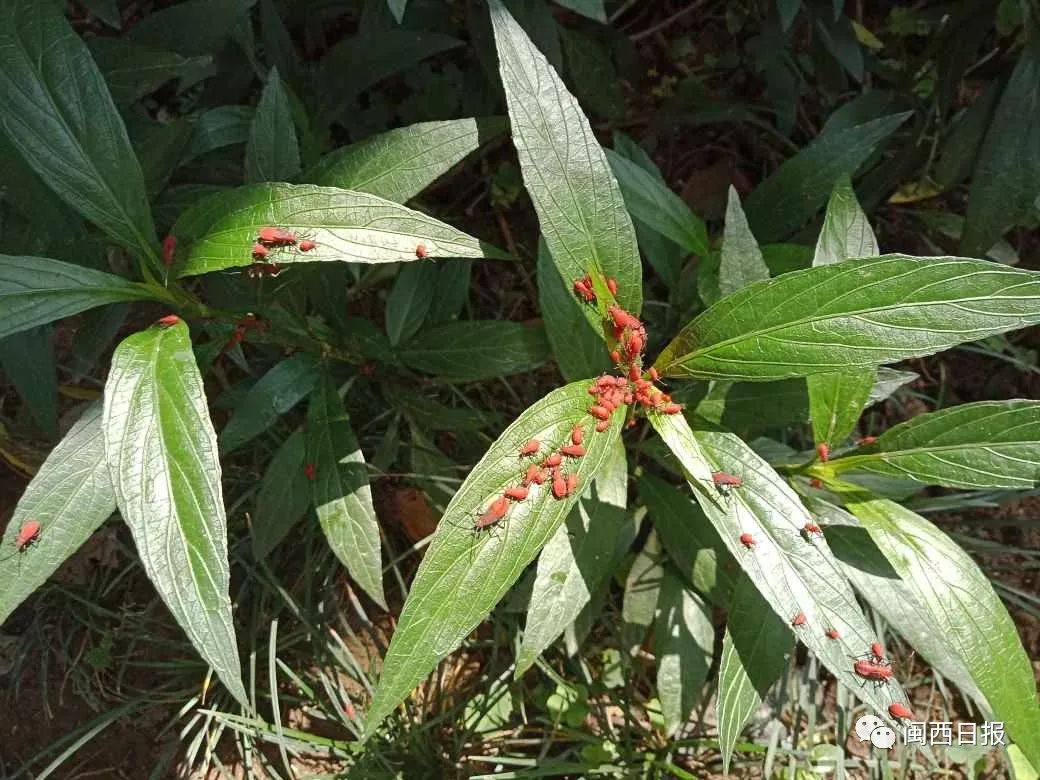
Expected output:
(342, 495)
(683, 641)
(283, 497)
(857, 313)
(58, 114)
(219, 127)
(590, 8)
(133, 70)
(27, 358)
(471, 350)
(592, 73)
(162, 455)
(741, 260)
(409, 301)
(70, 497)
(463, 575)
(347, 226)
(272, 153)
(642, 591)
(193, 26)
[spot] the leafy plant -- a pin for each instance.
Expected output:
(785, 539)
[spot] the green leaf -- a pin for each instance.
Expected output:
(133, 70)
(58, 114)
(991, 444)
(792, 195)
(409, 301)
(283, 497)
(653, 204)
(397, 8)
(750, 409)
(689, 539)
(272, 153)
(162, 455)
(277, 391)
(1003, 189)
(683, 640)
(590, 8)
(592, 73)
(962, 602)
(450, 291)
(471, 350)
(401, 163)
(341, 491)
(836, 402)
(160, 150)
(219, 127)
(347, 226)
(70, 496)
(279, 49)
(105, 10)
(888, 381)
(795, 572)
(38, 290)
(578, 348)
(577, 559)
(464, 574)
(642, 590)
(580, 209)
(846, 232)
(27, 359)
(192, 27)
(854, 314)
(741, 260)
(754, 655)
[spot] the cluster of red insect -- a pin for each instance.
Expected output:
(584, 288)
(273, 239)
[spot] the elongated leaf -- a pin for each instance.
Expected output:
(463, 574)
(795, 572)
(590, 8)
(279, 49)
(857, 313)
(70, 496)
(401, 163)
(592, 73)
(467, 351)
(192, 26)
(846, 232)
(133, 70)
(347, 226)
(961, 601)
(652, 203)
(283, 497)
(991, 444)
(789, 198)
(397, 8)
(277, 391)
(741, 261)
(341, 491)
(56, 110)
(754, 654)
(409, 301)
(162, 456)
(577, 559)
(1003, 188)
(683, 641)
(27, 359)
(888, 381)
(642, 590)
(219, 127)
(272, 153)
(578, 348)
(579, 205)
(38, 290)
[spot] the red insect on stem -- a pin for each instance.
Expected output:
(421, 251)
(747, 540)
(530, 448)
(516, 493)
(168, 321)
(577, 435)
(169, 247)
(307, 245)
(877, 651)
(823, 451)
(615, 356)
(310, 472)
(816, 483)
(799, 619)
(832, 633)
(612, 285)
(671, 409)
(897, 710)
(573, 451)
(654, 375)
(273, 236)
(599, 412)
(28, 534)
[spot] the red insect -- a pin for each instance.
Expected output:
(307, 245)
(602, 425)
(559, 486)
(615, 356)
(635, 344)
(823, 450)
(897, 710)
(747, 540)
(812, 528)
(554, 460)
(530, 448)
(634, 372)
(168, 320)
(723, 480)
(169, 247)
(572, 483)
(573, 451)
(816, 483)
(260, 251)
(420, 251)
(577, 435)
(516, 493)
(799, 619)
(654, 375)
(881, 673)
(28, 534)
(534, 475)
(866, 441)
(832, 633)
(584, 289)
(671, 408)
(273, 236)
(494, 513)
(368, 368)
(310, 471)
(612, 285)
(599, 412)
(877, 651)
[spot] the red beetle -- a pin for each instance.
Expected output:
(169, 247)
(897, 710)
(799, 619)
(273, 236)
(747, 540)
(28, 534)
(168, 320)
